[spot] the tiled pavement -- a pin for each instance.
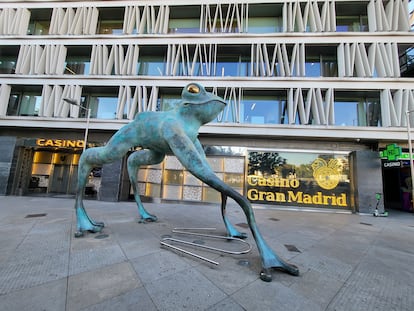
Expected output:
(347, 262)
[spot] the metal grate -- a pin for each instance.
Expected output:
(101, 236)
(274, 219)
(292, 248)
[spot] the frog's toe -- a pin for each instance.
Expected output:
(148, 218)
(240, 235)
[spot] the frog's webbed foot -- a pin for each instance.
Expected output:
(231, 230)
(147, 218)
(85, 223)
(266, 275)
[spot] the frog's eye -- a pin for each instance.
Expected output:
(192, 88)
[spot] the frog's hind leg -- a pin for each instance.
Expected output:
(231, 231)
(135, 160)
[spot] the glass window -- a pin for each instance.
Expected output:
(313, 69)
(13, 106)
(103, 107)
(110, 27)
(7, 65)
(321, 61)
(39, 23)
(151, 66)
(173, 177)
(299, 178)
(77, 67)
(184, 25)
(265, 24)
(351, 23)
(111, 20)
(358, 113)
(346, 113)
(30, 105)
(232, 66)
(38, 28)
(260, 110)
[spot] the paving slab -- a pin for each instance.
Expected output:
(347, 261)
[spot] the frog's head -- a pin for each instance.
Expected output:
(200, 104)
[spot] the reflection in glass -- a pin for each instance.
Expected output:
(77, 67)
(234, 180)
(184, 25)
(259, 110)
(103, 107)
(153, 190)
(265, 24)
(29, 105)
(173, 177)
(38, 28)
(151, 66)
(358, 113)
(211, 195)
(299, 178)
(110, 27)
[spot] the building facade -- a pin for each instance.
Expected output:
(316, 92)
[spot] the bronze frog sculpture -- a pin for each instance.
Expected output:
(174, 131)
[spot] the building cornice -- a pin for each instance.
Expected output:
(244, 82)
(319, 38)
(269, 131)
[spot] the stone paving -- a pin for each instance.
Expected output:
(347, 261)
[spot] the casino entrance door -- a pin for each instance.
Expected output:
(396, 178)
(53, 172)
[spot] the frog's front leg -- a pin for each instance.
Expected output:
(231, 231)
(135, 160)
(186, 152)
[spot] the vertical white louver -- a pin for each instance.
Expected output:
(394, 106)
(279, 63)
(231, 112)
(309, 17)
(314, 109)
(106, 60)
(355, 60)
(4, 98)
(229, 17)
(186, 59)
(14, 21)
(146, 19)
(36, 59)
(53, 105)
(74, 21)
(131, 102)
(393, 17)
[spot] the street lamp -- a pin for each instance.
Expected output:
(410, 147)
(73, 102)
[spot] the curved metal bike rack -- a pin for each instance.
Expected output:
(187, 231)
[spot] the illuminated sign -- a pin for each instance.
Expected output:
(60, 143)
(307, 179)
(392, 152)
(327, 174)
(392, 164)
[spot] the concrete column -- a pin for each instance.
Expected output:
(7, 146)
(111, 181)
(114, 182)
(366, 180)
